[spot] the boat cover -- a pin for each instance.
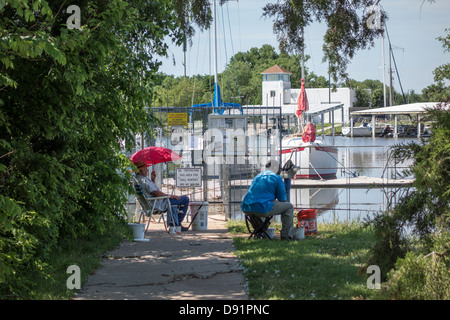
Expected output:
(309, 133)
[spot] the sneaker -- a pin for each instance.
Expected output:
(184, 228)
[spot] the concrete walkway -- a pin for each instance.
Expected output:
(191, 265)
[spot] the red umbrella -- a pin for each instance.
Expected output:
(154, 155)
(302, 101)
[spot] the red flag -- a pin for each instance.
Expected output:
(302, 101)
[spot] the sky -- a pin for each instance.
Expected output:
(413, 27)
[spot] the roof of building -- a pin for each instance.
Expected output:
(412, 108)
(276, 69)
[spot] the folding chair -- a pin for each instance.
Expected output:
(257, 226)
(148, 206)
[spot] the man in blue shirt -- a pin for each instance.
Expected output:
(260, 200)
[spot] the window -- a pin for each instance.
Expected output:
(276, 77)
(285, 77)
(271, 77)
(272, 93)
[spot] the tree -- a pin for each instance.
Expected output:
(439, 91)
(420, 258)
(347, 29)
(415, 263)
(241, 78)
(66, 98)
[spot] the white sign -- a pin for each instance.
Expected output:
(188, 177)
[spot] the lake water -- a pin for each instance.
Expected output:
(364, 157)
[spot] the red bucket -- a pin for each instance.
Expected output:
(308, 219)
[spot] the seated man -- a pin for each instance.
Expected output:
(260, 200)
(149, 187)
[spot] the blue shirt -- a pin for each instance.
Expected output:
(265, 188)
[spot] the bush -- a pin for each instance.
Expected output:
(390, 243)
(18, 246)
(66, 98)
(422, 277)
(419, 224)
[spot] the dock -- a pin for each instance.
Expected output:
(360, 182)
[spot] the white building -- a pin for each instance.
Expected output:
(276, 91)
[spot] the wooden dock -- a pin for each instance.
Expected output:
(360, 182)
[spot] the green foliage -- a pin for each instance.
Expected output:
(66, 98)
(18, 245)
(439, 92)
(241, 78)
(431, 168)
(346, 31)
(420, 222)
(389, 242)
(422, 277)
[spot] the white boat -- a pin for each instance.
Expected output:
(363, 130)
(315, 158)
(321, 199)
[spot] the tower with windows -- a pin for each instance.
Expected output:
(276, 86)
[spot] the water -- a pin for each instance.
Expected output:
(364, 157)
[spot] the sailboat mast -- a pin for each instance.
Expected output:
(299, 121)
(215, 41)
(384, 71)
(303, 54)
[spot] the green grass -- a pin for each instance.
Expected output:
(85, 253)
(328, 128)
(318, 267)
(323, 267)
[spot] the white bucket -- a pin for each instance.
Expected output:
(201, 220)
(299, 233)
(138, 231)
(270, 232)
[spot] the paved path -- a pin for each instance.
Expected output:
(191, 265)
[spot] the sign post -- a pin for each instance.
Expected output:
(188, 177)
(177, 119)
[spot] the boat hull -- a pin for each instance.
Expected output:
(314, 159)
(357, 132)
(361, 131)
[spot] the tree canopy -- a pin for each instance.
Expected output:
(439, 91)
(67, 95)
(240, 82)
(242, 78)
(413, 247)
(347, 28)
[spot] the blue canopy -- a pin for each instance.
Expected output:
(218, 105)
